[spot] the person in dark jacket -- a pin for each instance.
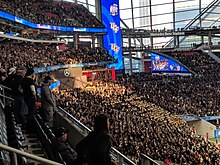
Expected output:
(94, 149)
(61, 146)
(30, 95)
(17, 94)
(47, 101)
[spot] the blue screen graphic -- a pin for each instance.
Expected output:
(162, 64)
(112, 40)
(50, 27)
(217, 133)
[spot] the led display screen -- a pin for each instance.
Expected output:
(112, 40)
(50, 27)
(163, 64)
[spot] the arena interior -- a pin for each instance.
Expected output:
(151, 66)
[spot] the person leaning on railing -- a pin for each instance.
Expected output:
(94, 149)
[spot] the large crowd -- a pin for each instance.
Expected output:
(51, 12)
(142, 111)
(142, 108)
(139, 126)
(178, 94)
(14, 55)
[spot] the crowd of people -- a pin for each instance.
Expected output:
(51, 12)
(177, 94)
(12, 28)
(142, 109)
(158, 98)
(15, 55)
(137, 125)
(143, 105)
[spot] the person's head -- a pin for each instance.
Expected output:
(47, 80)
(101, 123)
(61, 133)
(30, 71)
(21, 71)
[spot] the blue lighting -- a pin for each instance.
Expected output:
(112, 40)
(50, 27)
(52, 86)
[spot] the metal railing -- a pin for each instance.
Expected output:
(15, 152)
(116, 155)
(146, 160)
(27, 155)
(3, 92)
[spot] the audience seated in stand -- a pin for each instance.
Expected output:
(51, 12)
(43, 56)
(138, 126)
(141, 108)
(177, 94)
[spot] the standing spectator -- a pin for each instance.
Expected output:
(95, 148)
(29, 92)
(17, 94)
(61, 146)
(8, 81)
(47, 101)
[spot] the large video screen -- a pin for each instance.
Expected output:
(163, 64)
(112, 40)
(50, 27)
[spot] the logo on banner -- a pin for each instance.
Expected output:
(115, 48)
(17, 19)
(66, 72)
(114, 27)
(114, 9)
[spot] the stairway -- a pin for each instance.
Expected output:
(34, 147)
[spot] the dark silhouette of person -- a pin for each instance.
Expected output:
(94, 149)
(17, 94)
(30, 96)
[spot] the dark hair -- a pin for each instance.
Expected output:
(101, 124)
(60, 131)
(47, 79)
(29, 72)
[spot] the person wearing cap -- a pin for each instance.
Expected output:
(47, 101)
(30, 95)
(61, 146)
(8, 81)
(17, 94)
(94, 149)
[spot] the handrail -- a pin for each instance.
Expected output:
(5, 87)
(89, 130)
(123, 156)
(25, 154)
(75, 120)
(6, 97)
(148, 158)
